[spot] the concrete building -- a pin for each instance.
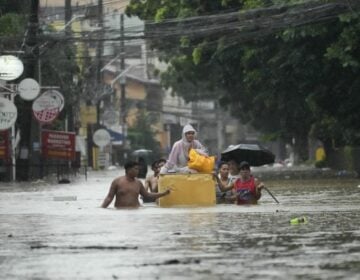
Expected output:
(115, 62)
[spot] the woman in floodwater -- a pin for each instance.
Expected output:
(179, 155)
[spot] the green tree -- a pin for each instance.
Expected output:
(285, 83)
(13, 6)
(58, 67)
(142, 136)
(337, 100)
(12, 24)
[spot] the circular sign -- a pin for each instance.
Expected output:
(57, 98)
(101, 137)
(28, 89)
(46, 116)
(45, 109)
(110, 117)
(8, 113)
(11, 67)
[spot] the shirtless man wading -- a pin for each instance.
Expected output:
(127, 189)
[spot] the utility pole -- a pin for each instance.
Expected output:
(122, 81)
(68, 16)
(28, 128)
(99, 51)
(68, 33)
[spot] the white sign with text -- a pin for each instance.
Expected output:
(8, 113)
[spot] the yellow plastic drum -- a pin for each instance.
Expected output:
(188, 190)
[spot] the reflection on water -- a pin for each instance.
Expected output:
(46, 239)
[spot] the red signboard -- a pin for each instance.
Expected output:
(58, 144)
(4, 145)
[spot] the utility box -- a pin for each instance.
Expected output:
(187, 190)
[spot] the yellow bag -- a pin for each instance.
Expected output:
(200, 162)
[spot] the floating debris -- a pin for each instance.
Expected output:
(298, 220)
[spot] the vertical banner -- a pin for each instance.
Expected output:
(4, 145)
(58, 144)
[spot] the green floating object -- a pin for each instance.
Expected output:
(298, 220)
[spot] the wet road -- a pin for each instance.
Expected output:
(44, 236)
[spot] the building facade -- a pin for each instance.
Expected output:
(118, 83)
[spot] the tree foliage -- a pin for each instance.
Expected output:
(12, 24)
(12, 17)
(142, 136)
(286, 84)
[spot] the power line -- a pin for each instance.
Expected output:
(245, 24)
(234, 27)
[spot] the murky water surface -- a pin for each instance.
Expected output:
(45, 237)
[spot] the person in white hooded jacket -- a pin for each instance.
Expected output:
(179, 155)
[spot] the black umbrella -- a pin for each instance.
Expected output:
(142, 152)
(254, 154)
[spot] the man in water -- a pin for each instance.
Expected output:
(151, 181)
(127, 189)
(246, 188)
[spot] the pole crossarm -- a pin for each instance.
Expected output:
(8, 89)
(123, 73)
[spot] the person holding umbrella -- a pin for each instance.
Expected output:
(251, 154)
(246, 188)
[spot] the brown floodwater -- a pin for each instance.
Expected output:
(58, 231)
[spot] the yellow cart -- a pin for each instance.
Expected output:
(188, 190)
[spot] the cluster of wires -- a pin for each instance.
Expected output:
(238, 26)
(233, 26)
(250, 24)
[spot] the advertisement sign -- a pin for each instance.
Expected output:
(58, 144)
(48, 106)
(4, 145)
(56, 97)
(29, 89)
(11, 67)
(101, 137)
(110, 117)
(88, 115)
(117, 137)
(8, 113)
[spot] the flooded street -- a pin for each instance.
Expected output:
(60, 232)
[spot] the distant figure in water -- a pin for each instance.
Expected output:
(143, 169)
(126, 189)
